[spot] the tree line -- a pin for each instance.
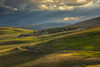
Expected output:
(49, 31)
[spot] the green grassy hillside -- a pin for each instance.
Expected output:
(65, 49)
(10, 30)
(94, 66)
(84, 40)
(85, 43)
(88, 24)
(9, 35)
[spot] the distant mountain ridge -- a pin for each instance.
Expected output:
(88, 23)
(43, 26)
(84, 24)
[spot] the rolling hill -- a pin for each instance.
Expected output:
(9, 35)
(53, 50)
(71, 48)
(43, 26)
(88, 24)
(11, 30)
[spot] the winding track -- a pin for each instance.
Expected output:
(26, 47)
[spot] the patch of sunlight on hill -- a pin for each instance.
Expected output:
(85, 43)
(6, 47)
(85, 40)
(60, 60)
(14, 39)
(19, 40)
(94, 66)
(10, 30)
(83, 49)
(9, 35)
(88, 53)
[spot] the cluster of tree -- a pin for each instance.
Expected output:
(53, 30)
(50, 31)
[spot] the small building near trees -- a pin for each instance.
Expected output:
(80, 28)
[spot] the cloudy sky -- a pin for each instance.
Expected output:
(26, 12)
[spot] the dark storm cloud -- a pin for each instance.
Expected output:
(21, 3)
(9, 6)
(33, 5)
(18, 4)
(25, 12)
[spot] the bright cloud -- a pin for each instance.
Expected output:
(63, 4)
(15, 9)
(43, 11)
(71, 18)
(82, 0)
(34, 5)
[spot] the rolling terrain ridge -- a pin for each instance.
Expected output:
(53, 50)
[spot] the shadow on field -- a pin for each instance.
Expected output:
(12, 42)
(16, 57)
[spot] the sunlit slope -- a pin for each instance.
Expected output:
(66, 49)
(11, 56)
(94, 66)
(85, 40)
(78, 49)
(11, 39)
(9, 35)
(10, 30)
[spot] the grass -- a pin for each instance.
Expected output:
(88, 53)
(94, 66)
(10, 30)
(6, 47)
(86, 43)
(9, 44)
(86, 40)
(71, 49)
(14, 39)
(19, 40)
(60, 60)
